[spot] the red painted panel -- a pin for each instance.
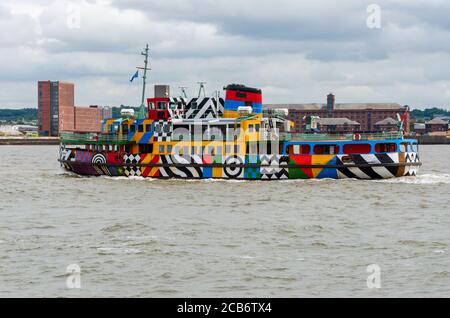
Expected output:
(251, 97)
(303, 160)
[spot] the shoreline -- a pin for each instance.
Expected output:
(41, 141)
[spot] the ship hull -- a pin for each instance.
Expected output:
(248, 167)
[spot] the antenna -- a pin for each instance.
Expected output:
(202, 87)
(183, 91)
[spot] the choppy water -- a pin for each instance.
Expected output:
(157, 238)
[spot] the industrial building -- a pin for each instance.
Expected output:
(57, 111)
(350, 117)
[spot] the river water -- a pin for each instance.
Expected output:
(158, 238)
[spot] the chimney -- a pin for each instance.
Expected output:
(330, 102)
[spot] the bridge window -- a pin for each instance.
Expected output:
(386, 147)
(169, 148)
(148, 127)
(357, 148)
(140, 128)
(161, 148)
(326, 149)
(161, 105)
(133, 128)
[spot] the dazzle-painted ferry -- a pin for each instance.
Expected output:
(230, 138)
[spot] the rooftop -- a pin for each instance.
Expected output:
(437, 121)
(387, 121)
(336, 121)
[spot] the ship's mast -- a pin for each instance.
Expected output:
(144, 77)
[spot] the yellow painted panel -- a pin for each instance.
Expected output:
(319, 160)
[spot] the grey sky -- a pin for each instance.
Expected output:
(296, 51)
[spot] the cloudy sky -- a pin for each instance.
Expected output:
(296, 51)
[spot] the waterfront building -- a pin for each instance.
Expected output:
(436, 125)
(369, 116)
(57, 111)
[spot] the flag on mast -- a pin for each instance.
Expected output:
(134, 76)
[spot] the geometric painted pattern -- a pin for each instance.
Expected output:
(254, 167)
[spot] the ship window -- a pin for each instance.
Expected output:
(236, 148)
(404, 147)
(326, 149)
(133, 128)
(357, 148)
(158, 128)
(386, 147)
(251, 128)
(241, 95)
(152, 105)
(161, 148)
(169, 148)
(219, 150)
(211, 151)
(140, 128)
(227, 149)
(257, 126)
(166, 128)
(161, 105)
(148, 128)
(299, 149)
(184, 150)
(125, 128)
(147, 148)
(252, 148)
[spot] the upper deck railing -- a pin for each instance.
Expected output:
(331, 137)
(69, 138)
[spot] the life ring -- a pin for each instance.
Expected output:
(356, 136)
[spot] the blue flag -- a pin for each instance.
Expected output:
(134, 76)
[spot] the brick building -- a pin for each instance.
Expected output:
(55, 100)
(437, 125)
(57, 111)
(367, 115)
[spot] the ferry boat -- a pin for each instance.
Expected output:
(230, 138)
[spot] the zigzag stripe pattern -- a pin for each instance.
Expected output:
(378, 172)
(275, 169)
